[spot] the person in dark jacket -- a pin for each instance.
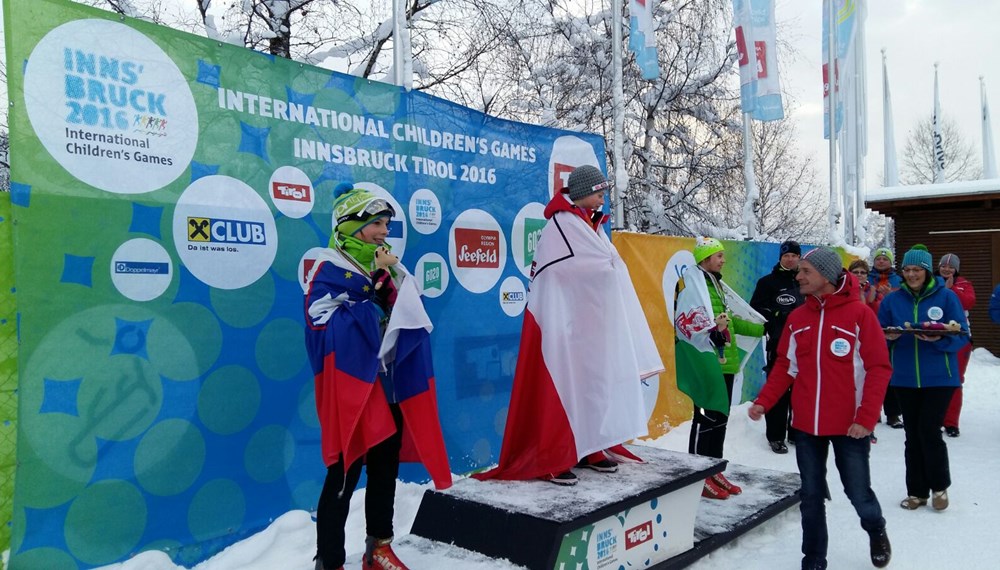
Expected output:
(834, 357)
(925, 374)
(775, 296)
(995, 305)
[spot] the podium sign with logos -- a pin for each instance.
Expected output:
(639, 517)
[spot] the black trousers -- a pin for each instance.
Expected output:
(382, 467)
(926, 453)
(708, 427)
(891, 403)
(779, 418)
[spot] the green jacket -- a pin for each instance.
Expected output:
(736, 324)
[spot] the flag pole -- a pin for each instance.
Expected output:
(936, 136)
(749, 179)
(989, 156)
(833, 214)
(890, 169)
(398, 63)
(618, 104)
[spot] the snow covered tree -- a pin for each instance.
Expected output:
(961, 159)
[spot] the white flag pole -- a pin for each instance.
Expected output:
(833, 214)
(890, 166)
(938, 148)
(618, 102)
(398, 56)
(861, 134)
(749, 179)
(989, 155)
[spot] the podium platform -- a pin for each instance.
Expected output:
(645, 516)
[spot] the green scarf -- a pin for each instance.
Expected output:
(362, 252)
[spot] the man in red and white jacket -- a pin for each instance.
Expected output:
(833, 355)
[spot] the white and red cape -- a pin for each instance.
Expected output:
(585, 348)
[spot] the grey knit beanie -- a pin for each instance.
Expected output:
(949, 259)
(827, 263)
(584, 181)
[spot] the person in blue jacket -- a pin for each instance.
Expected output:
(995, 305)
(925, 374)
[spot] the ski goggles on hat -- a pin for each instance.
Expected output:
(374, 207)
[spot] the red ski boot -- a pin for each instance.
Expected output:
(379, 555)
(721, 481)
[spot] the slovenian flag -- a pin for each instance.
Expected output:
(350, 359)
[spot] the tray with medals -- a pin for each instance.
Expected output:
(929, 328)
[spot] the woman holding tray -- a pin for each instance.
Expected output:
(925, 372)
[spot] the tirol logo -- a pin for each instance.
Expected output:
(532, 231)
(560, 176)
(639, 534)
(141, 268)
(432, 275)
(477, 248)
(216, 230)
(289, 191)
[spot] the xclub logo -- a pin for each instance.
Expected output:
(216, 230)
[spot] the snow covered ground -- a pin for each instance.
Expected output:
(963, 536)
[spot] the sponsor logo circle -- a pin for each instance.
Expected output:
(291, 192)
(524, 235)
(224, 232)
(425, 211)
(141, 269)
(840, 347)
(513, 297)
(122, 118)
(935, 313)
(477, 250)
(568, 152)
(432, 274)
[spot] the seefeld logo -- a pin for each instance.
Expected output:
(477, 248)
(226, 231)
(289, 191)
(638, 535)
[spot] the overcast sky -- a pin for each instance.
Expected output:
(961, 35)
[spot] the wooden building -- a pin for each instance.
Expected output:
(961, 218)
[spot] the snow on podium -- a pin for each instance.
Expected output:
(647, 515)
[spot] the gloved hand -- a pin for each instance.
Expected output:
(384, 294)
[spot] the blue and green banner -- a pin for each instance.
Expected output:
(169, 194)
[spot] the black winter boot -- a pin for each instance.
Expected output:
(881, 550)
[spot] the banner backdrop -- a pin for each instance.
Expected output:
(169, 193)
(8, 373)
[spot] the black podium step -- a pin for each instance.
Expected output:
(645, 516)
